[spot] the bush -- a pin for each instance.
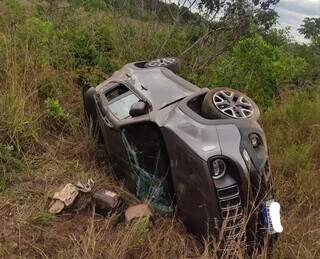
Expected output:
(88, 46)
(312, 55)
(259, 69)
(90, 5)
(36, 34)
(54, 110)
(9, 164)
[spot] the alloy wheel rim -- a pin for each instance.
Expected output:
(233, 104)
(161, 62)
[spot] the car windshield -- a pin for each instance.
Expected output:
(120, 108)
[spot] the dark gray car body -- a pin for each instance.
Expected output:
(188, 142)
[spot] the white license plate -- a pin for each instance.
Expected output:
(271, 217)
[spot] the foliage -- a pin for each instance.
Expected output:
(8, 162)
(237, 12)
(45, 47)
(9, 165)
(90, 46)
(54, 110)
(90, 5)
(278, 37)
(292, 129)
(37, 34)
(311, 54)
(311, 29)
(259, 69)
(231, 5)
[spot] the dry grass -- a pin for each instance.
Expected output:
(37, 158)
(292, 128)
(52, 156)
(61, 156)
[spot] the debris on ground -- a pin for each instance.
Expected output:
(106, 201)
(67, 195)
(64, 198)
(85, 187)
(80, 196)
(137, 211)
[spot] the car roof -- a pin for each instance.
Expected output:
(160, 86)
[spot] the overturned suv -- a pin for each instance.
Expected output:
(197, 152)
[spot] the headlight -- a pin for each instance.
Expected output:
(218, 168)
(255, 140)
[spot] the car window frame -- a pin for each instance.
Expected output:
(119, 98)
(112, 120)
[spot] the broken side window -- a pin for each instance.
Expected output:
(150, 164)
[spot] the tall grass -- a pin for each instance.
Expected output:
(45, 146)
(17, 120)
(292, 127)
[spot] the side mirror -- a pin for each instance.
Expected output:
(138, 108)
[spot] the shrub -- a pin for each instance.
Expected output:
(48, 86)
(259, 69)
(37, 35)
(8, 162)
(8, 165)
(91, 5)
(88, 46)
(312, 55)
(54, 110)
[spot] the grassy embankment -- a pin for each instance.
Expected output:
(45, 144)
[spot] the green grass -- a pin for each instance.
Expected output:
(46, 144)
(292, 128)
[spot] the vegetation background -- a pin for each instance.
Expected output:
(46, 45)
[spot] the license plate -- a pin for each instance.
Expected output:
(271, 217)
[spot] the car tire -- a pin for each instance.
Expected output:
(91, 113)
(169, 62)
(227, 103)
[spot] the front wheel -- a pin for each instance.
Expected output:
(226, 103)
(170, 62)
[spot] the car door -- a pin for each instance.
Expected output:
(150, 164)
(114, 105)
(136, 148)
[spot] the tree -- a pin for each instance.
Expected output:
(259, 12)
(311, 29)
(259, 69)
